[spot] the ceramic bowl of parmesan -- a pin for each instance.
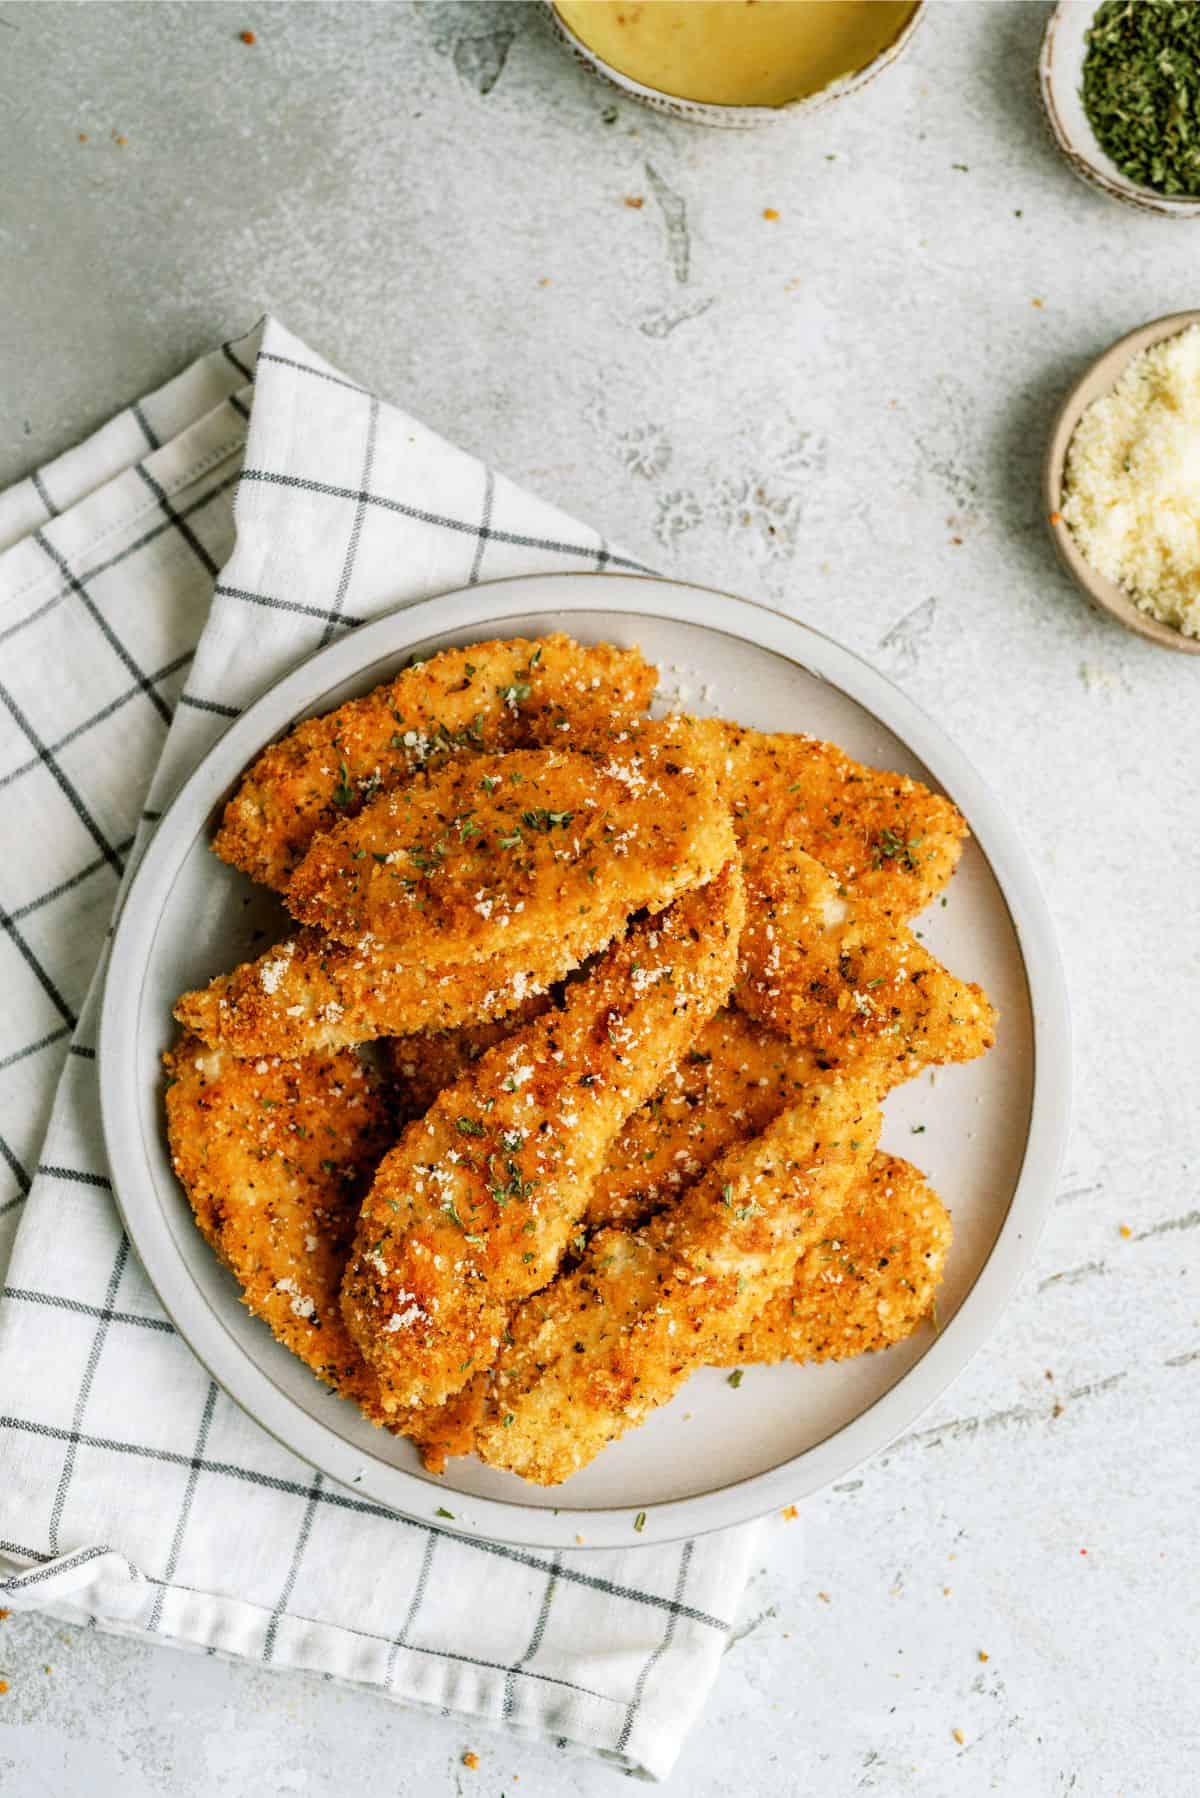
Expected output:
(1121, 482)
(1065, 47)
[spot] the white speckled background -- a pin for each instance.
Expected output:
(842, 412)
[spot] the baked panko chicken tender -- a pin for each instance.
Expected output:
(308, 994)
(484, 699)
(886, 836)
(275, 1157)
(477, 1204)
(870, 1280)
(506, 849)
(600, 1349)
(835, 974)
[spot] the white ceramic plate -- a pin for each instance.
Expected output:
(990, 1134)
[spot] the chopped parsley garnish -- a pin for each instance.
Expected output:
(893, 847)
(544, 822)
(513, 695)
(443, 1512)
(509, 1183)
(639, 1522)
(735, 1378)
(343, 793)
(469, 1126)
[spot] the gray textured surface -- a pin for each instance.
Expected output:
(842, 412)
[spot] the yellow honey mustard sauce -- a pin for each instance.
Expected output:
(736, 52)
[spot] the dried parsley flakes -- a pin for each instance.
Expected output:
(1141, 90)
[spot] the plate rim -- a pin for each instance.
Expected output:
(483, 606)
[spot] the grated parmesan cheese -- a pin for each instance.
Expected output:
(1132, 482)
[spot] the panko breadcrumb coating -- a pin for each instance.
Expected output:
(275, 1157)
(424, 1065)
(734, 1080)
(309, 994)
(835, 974)
(483, 699)
(596, 1352)
(504, 849)
(478, 1202)
(867, 1283)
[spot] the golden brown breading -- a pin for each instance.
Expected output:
(832, 972)
(423, 1065)
(506, 849)
(487, 697)
(476, 1205)
(275, 1157)
(596, 1352)
(442, 1431)
(867, 1283)
(886, 836)
(308, 994)
(734, 1080)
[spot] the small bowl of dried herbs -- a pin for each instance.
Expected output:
(1120, 84)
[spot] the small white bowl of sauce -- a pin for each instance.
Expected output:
(736, 63)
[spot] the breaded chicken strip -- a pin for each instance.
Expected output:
(507, 849)
(476, 1205)
(734, 1080)
(597, 1351)
(275, 1157)
(884, 835)
(308, 994)
(867, 1283)
(833, 973)
(422, 1066)
(486, 698)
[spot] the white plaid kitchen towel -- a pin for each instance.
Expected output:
(133, 1494)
